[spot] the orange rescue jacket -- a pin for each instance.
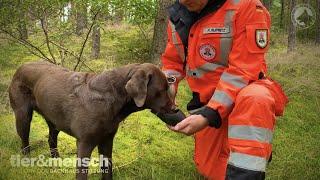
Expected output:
(225, 52)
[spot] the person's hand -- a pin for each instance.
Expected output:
(190, 125)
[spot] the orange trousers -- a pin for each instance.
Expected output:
(256, 107)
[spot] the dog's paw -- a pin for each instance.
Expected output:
(25, 150)
(54, 153)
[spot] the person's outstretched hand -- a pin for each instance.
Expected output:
(190, 125)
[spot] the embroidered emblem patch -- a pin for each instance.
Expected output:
(216, 30)
(207, 52)
(262, 38)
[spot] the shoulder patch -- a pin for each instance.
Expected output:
(262, 38)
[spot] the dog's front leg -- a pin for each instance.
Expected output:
(105, 151)
(84, 150)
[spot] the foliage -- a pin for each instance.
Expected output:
(280, 23)
(53, 23)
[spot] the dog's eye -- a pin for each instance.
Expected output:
(171, 79)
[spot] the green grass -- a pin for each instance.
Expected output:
(145, 149)
(297, 138)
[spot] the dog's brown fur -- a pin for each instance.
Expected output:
(86, 106)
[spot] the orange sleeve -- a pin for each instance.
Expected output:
(172, 63)
(246, 59)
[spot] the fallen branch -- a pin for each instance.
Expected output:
(88, 67)
(31, 48)
(71, 53)
(64, 48)
(45, 31)
(86, 39)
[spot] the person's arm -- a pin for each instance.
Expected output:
(246, 59)
(172, 62)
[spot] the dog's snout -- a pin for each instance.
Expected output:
(173, 107)
(170, 106)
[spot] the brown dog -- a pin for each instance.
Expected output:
(86, 106)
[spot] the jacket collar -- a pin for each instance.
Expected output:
(183, 19)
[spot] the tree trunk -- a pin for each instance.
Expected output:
(282, 14)
(292, 30)
(95, 50)
(81, 18)
(160, 30)
(318, 23)
(22, 24)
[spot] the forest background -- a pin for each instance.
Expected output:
(98, 35)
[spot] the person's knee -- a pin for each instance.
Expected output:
(255, 96)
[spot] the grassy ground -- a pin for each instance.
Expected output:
(145, 149)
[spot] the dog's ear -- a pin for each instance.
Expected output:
(136, 87)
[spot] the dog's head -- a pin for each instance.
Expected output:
(148, 87)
